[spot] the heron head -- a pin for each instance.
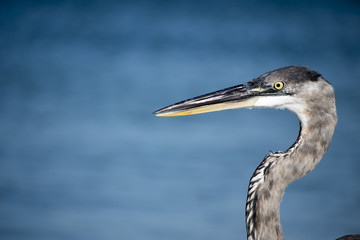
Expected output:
(285, 88)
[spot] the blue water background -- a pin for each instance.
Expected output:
(82, 157)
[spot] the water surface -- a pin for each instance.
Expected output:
(82, 157)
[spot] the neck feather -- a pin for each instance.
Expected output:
(277, 170)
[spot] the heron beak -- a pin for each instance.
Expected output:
(240, 96)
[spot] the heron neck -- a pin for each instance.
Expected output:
(277, 170)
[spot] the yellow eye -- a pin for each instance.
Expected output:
(278, 85)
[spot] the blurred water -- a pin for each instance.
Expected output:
(82, 157)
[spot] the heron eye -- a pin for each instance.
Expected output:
(278, 85)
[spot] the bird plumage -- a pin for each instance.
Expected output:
(312, 99)
(298, 89)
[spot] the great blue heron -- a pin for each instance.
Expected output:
(311, 98)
